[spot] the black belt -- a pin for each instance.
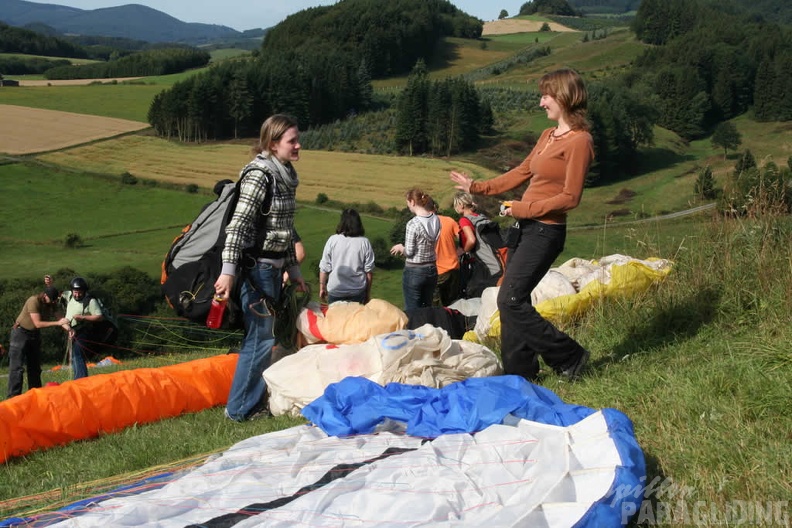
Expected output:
(419, 264)
(33, 332)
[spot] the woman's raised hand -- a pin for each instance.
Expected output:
(462, 181)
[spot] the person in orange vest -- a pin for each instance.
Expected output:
(447, 250)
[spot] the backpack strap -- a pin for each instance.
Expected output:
(264, 210)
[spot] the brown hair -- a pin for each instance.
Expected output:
(272, 130)
(419, 197)
(567, 88)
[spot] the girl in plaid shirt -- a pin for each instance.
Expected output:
(278, 147)
(420, 270)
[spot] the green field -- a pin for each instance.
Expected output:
(134, 225)
(125, 100)
(228, 53)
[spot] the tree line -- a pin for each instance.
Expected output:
(21, 65)
(19, 40)
(233, 98)
(548, 7)
(439, 118)
(141, 64)
(709, 65)
(316, 65)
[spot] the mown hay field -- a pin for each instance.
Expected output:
(520, 25)
(345, 177)
(29, 130)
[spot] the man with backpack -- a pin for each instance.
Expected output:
(83, 313)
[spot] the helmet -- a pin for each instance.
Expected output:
(78, 283)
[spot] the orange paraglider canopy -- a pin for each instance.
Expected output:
(106, 403)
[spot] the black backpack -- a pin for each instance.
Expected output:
(484, 266)
(194, 261)
(101, 333)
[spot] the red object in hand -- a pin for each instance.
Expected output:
(216, 311)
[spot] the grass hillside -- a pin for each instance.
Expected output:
(700, 363)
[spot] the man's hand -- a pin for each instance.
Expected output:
(301, 286)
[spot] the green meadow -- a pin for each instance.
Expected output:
(134, 225)
(124, 100)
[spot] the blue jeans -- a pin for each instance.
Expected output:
(351, 297)
(79, 368)
(248, 387)
(418, 285)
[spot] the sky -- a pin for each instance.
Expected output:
(251, 14)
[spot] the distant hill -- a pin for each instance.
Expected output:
(132, 21)
(778, 11)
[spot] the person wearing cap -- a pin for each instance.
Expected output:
(39, 311)
(82, 312)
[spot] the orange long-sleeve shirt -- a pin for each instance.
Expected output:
(556, 168)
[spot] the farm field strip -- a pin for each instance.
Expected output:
(515, 25)
(341, 176)
(72, 82)
(30, 130)
(122, 101)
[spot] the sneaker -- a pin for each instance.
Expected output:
(260, 410)
(572, 372)
(225, 412)
(259, 414)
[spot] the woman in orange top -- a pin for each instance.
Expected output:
(556, 169)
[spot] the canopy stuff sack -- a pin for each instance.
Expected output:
(194, 260)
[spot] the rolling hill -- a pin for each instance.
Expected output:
(129, 21)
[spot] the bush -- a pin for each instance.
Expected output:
(191, 188)
(128, 179)
(73, 241)
(382, 257)
(321, 198)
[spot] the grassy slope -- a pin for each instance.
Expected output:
(701, 364)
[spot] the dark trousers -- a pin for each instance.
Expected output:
(24, 350)
(447, 290)
(524, 333)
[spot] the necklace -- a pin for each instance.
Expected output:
(559, 136)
